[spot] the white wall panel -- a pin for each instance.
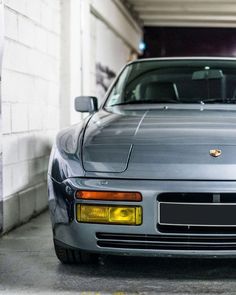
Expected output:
(118, 20)
(114, 35)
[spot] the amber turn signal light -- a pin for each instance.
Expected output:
(109, 196)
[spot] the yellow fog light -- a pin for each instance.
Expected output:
(127, 215)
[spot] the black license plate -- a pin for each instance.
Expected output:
(194, 214)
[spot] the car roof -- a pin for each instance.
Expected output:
(184, 58)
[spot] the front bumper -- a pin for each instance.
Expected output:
(146, 239)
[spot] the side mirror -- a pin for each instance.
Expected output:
(86, 104)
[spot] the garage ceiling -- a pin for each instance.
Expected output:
(201, 13)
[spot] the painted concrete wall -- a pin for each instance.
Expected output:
(52, 48)
(114, 36)
(30, 104)
(107, 60)
(1, 52)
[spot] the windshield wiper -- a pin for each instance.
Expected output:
(144, 102)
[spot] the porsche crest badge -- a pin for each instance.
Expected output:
(215, 153)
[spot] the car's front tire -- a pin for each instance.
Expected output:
(74, 256)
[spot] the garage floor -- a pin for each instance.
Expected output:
(28, 265)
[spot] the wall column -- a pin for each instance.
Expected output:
(70, 60)
(1, 52)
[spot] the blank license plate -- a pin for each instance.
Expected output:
(194, 214)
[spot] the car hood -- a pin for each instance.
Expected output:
(161, 143)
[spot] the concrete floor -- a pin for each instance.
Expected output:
(28, 265)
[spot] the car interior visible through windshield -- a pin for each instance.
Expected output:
(175, 85)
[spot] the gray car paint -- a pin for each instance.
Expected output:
(161, 144)
(153, 144)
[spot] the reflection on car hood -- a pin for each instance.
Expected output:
(161, 144)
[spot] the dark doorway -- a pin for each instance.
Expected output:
(164, 42)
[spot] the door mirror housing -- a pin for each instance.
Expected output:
(86, 104)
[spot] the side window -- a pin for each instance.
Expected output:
(116, 94)
(134, 93)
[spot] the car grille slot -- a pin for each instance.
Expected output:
(197, 197)
(158, 242)
(195, 230)
(202, 198)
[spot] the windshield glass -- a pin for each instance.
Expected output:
(176, 81)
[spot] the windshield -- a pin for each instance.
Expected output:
(176, 81)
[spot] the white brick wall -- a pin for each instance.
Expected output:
(30, 103)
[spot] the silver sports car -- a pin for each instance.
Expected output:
(152, 171)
